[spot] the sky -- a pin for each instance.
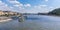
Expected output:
(29, 6)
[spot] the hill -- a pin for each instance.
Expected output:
(55, 12)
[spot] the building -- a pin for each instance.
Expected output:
(9, 13)
(1, 12)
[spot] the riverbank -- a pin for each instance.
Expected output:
(4, 19)
(51, 15)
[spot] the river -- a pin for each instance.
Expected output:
(33, 22)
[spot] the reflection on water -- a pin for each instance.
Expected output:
(11, 25)
(33, 22)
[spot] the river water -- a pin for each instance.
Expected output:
(33, 22)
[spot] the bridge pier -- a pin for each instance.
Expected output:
(21, 18)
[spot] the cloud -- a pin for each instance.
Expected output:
(46, 0)
(4, 6)
(13, 1)
(40, 8)
(16, 5)
(19, 6)
(27, 5)
(24, 8)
